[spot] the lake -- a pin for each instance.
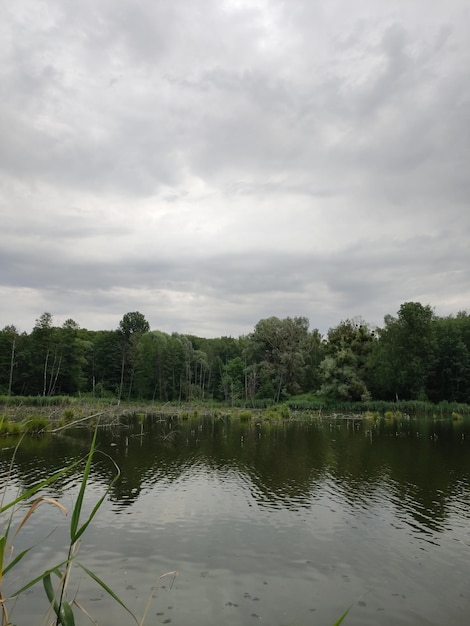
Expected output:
(275, 523)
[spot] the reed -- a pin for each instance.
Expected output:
(61, 606)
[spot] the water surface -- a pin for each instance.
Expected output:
(274, 523)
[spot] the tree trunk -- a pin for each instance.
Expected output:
(12, 364)
(45, 374)
(121, 384)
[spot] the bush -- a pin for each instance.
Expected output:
(8, 427)
(245, 415)
(36, 425)
(277, 412)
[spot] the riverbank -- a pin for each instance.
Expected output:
(37, 414)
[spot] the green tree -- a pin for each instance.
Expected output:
(72, 374)
(343, 371)
(220, 351)
(132, 326)
(9, 339)
(133, 323)
(449, 378)
(175, 357)
(104, 361)
(233, 379)
(315, 352)
(280, 348)
(43, 358)
(405, 355)
(152, 376)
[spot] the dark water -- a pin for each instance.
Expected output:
(277, 524)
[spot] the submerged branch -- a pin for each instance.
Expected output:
(82, 419)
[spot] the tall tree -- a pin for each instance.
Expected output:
(71, 377)
(449, 377)
(44, 357)
(404, 358)
(9, 337)
(105, 361)
(280, 348)
(151, 380)
(132, 326)
(344, 368)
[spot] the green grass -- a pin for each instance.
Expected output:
(61, 605)
(276, 412)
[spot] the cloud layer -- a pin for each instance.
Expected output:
(213, 163)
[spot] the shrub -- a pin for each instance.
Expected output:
(277, 412)
(36, 425)
(245, 415)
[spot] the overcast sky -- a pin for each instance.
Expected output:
(214, 162)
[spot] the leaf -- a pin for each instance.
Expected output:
(174, 574)
(49, 589)
(54, 570)
(3, 541)
(85, 525)
(34, 506)
(66, 617)
(50, 593)
(343, 616)
(21, 555)
(14, 562)
(84, 611)
(76, 532)
(79, 503)
(107, 589)
(64, 613)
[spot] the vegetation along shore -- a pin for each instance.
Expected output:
(415, 356)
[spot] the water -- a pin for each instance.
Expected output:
(276, 524)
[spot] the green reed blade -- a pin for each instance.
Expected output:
(3, 543)
(74, 535)
(343, 616)
(66, 617)
(109, 591)
(16, 560)
(76, 532)
(63, 612)
(54, 570)
(50, 593)
(85, 525)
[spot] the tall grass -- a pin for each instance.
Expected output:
(38, 401)
(61, 606)
(410, 407)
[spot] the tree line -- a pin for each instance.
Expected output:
(415, 355)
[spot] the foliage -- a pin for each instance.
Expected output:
(342, 618)
(406, 352)
(60, 603)
(36, 401)
(343, 371)
(277, 412)
(34, 425)
(280, 347)
(415, 355)
(8, 427)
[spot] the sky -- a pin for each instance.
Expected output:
(211, 163)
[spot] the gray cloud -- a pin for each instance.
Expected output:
(214, 163)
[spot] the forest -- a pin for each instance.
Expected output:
(415, 355)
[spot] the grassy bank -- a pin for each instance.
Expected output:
(38, 414)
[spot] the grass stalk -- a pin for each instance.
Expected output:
(59, 604)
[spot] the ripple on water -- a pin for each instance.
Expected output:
(258, 540)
